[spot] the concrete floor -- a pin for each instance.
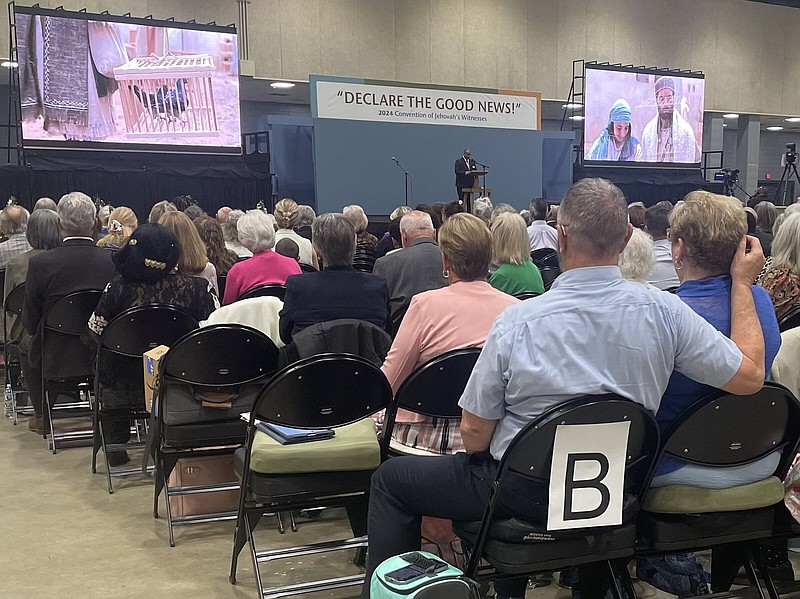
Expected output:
(61, 533)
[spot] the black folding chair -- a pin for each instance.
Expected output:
(435, 387)
(206, 381)
(516, 548)
(272, 290)
(119, 381)
(13, 371)
(545, 258)
(307, 267)
(364, 260)
(721, 431)
(221, 281)
(67, 364)
(325, 391)
(526, 295)
(790, 320)
(549, 275)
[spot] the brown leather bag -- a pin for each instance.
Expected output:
(203, 471)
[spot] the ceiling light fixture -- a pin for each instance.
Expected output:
(775, 128)
(793, 119)
(281, 85)
(9, 64)
(572, 106)
(730, 115)
(576, 117)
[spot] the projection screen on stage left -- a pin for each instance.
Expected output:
(102, 82)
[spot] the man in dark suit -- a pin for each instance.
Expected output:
(338, 291)
(77, 265)
(464, 164)
(415, 268)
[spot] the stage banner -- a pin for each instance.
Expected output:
(494, 109)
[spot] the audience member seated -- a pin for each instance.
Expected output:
(211, 235)
(266, 266)
(636, 212)
(637, 259)
(482, 208)
(222, 214)
(663, 274)
(782, 279)
(432, 327)
(451, 208)
(76, 265)
(501, 208)
(540, 234)
(522, 371)
(392, 240)
(366, 242)
(437, 216)
(526, 216)
(103, 215)
(146, 267)
(515, 273)
(13, 224)
(552, 216)
(287, 214)
(158, 209)
(338, 291)
(416, 268)
(230, 233)
(121, 223)
(42, 234)
(194, 211)
(705, 233)
(45, 203)
(287, 247)
(305, 218)
(766, 216)
(193, 260)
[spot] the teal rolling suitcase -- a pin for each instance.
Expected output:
(446, 583)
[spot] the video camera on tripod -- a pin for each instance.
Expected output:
(791, 154)
(729, 178)
(789, 163)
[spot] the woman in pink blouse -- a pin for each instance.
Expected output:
(266, 266)
(438, 321)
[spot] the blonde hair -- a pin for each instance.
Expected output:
(355, 214)
(286, 213)
(510, 239)
(637, 259)
(194, 257)
(399, 211)
(466, 243)
(786, 244)
(121, 223)
(711, 227)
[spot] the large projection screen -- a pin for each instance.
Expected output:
(105, 82)
(642, 117)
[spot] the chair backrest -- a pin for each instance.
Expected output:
(530, 454)
(219, 356)
(142, 328)
(545, 257)
(15, 300)
(435, 387)
(341, 336)
(526, 295)
(307, 267)
(725, 430)
(790, 320)
(270, 289)
(221, 281)
(64, 354)
(549, 274)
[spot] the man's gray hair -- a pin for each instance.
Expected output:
(255, 231)
(43, 233)
(45, 202)
(13, 220)
(77, 214)
(500, 209)
(229, 228)
(594, 217)
(415, 223)
(483, 207)
(305, 215)
(334, 238)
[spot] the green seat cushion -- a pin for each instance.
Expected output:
(682, 499)
(354, 447)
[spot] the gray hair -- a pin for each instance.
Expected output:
(255, 231)
(766, 213)
(526, 215)
(501, 209)
(158, 210)
(104, 213)
(13, 219)
(43, 203)
(482, 207)
(416, 223)
(229, 227)
(43, 233)
(355, 214)
(77, 214)
(305, 215)
(786, 244)
(594, 217)
(637, 259)
(334, 239)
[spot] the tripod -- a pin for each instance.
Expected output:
(732, 186)
(789, 170)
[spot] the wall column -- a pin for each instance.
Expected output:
(748, 142)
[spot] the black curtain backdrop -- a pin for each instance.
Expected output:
(649, 185)
(140, 180)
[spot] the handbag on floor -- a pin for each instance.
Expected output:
(434, 579)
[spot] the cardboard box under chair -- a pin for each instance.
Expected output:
(151, 361)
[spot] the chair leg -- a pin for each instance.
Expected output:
(158, 479)
(105, 457)
(253, 551)
(755, 552)
(752, 575)
(169, 511)
(96, 442)
(592, 580)
(281, 527)
(240, 538)
(48, 413)
(357, 515)
(615, 586)
(725, 562)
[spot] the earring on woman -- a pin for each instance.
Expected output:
(678, 264)
(445, 273)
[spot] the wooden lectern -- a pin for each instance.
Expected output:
(477, 188)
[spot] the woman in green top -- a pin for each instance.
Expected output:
(511, 250)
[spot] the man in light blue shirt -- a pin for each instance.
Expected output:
(592, 333)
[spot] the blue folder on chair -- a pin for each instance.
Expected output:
(286, 435)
